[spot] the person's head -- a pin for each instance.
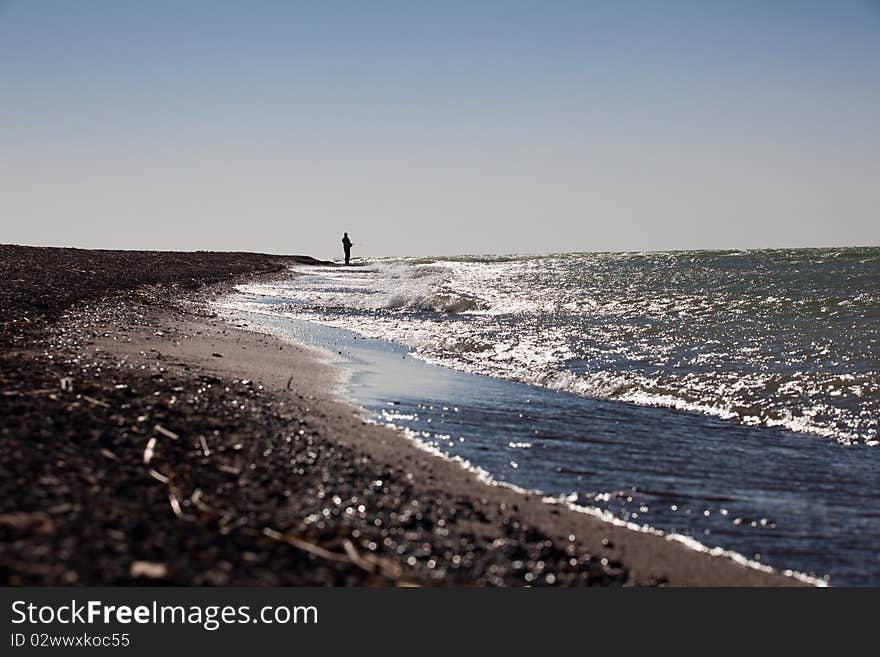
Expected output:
(345, 234)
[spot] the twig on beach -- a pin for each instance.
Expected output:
(17, 393)
(24, 320)
(148, 569)
(204, 444)
(368, 563)
(289, 381)
(356, 558)
(196, 499)
(175, 504)
(371, 563)
(95, 402)
(299, 543)
(158, 476)
(165, 432)
(149, 450)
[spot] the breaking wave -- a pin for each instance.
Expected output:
(781, 337)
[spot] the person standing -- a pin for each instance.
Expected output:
(346, 245)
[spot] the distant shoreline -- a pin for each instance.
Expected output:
(146, 441)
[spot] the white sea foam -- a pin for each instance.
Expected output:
(740, 339)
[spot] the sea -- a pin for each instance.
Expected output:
(729, 399)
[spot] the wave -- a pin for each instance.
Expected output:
(479, 259)
(754, 339)
(376, 287)
(440, 303)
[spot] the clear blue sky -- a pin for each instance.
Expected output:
(439, 128)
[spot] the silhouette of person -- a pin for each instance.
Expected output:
(346, 245)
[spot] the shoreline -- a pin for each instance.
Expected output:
(258, 473)
(327, 359)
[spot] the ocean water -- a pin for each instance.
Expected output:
(729, 396)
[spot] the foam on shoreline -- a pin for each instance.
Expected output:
(342, 374)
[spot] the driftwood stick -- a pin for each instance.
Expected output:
(165, 432)
(301, 544)
(149, 450)
(95, 402)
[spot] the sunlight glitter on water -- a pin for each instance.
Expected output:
(786, 338)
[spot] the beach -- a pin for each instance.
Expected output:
(146, 440)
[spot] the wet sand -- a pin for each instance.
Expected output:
(147, 441)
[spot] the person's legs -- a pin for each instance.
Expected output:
(347, 256)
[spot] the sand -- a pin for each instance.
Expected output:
(147, 441)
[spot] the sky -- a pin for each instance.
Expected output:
(432, 128)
